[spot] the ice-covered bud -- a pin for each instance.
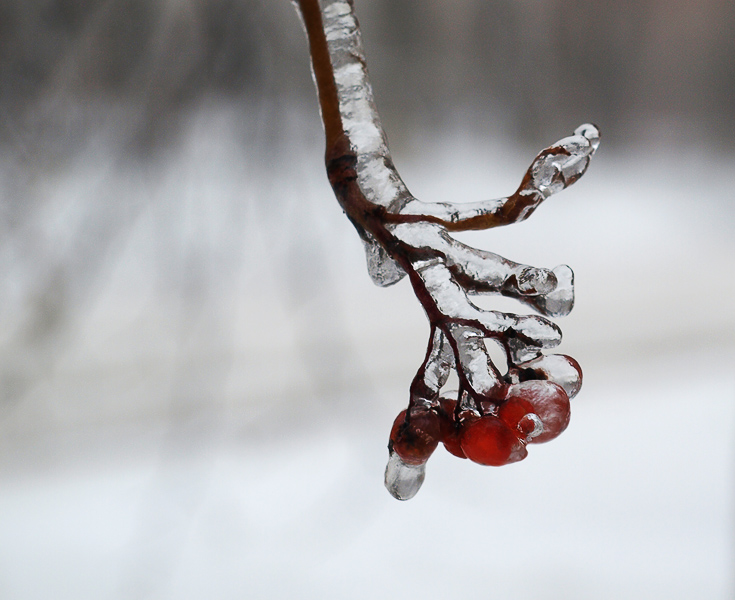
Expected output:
(560, 301)
(533, 281)
(559, 368)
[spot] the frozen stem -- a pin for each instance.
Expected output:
(404, 236)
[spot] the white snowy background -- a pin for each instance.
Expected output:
(198, 377)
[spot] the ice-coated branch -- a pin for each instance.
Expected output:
(553, 169)
(493, 415)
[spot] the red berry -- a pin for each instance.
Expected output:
(489, 441)
(546, 399)
(513, 410)
(453, 445)
(415, 439)
(450, 428)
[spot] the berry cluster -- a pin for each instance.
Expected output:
(533, 408)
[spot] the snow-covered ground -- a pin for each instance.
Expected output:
(199, 379)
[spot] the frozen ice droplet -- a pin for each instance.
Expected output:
(592, 134)
(402, 480)
(531, 426)
(383, 270)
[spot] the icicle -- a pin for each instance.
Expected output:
(402, 480)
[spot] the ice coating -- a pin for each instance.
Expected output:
(453, 213)
(377, 176)
(519, 352)
(402, 480)
(404, 236)
(467, 402)
(431, 378)
(533, 424)
(553, 169)
(450, 298)
(563, 163)
(481, 378)
(482, 271)
(559, 368)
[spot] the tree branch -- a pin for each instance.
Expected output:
(494, 415)
(322, 70)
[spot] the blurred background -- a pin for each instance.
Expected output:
(198, 378)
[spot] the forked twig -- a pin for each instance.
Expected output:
(493, 416)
